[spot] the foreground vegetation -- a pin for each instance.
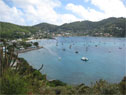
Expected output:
(18, 77)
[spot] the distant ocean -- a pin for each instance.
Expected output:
(107, 59)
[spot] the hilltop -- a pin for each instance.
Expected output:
(110, 27)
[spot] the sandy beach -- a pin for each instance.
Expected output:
(30, 49)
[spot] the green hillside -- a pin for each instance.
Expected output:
(114, 27)
(8, 30)
(46, 27)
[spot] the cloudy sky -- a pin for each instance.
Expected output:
(30, 12)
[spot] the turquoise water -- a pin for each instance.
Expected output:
(107, 59)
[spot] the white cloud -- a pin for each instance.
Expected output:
(10, 14)
(67, 18)
(87, 14)
(30, 12)
(110, 8)
(35, 11)
(86, 0)
(114, 8)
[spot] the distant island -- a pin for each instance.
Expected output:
(111, 27)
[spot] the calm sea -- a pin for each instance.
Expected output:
(107, 59)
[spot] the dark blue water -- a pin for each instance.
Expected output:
(107, 59)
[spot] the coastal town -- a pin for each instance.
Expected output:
(25, 44)
(21, 46)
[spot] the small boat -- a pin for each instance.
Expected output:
(59, 58)
(120, 48)
(64, 49)
(96, 45)
(70, 46)
(76, 52)
(84, 59)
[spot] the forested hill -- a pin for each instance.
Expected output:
(9, 30)
(115, 27)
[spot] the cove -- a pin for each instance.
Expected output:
(107, 59)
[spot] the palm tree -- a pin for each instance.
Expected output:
(7, 57)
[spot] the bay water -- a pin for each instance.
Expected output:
(61, 58)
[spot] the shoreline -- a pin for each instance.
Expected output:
(54, 38)
(40, 39)
(29, 49)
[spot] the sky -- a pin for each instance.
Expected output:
(31, 12)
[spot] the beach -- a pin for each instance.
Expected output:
(29, 49)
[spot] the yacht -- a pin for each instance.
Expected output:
(84, 59)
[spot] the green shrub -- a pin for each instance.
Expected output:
(104, 88)
(38, 75)
(122, 86)
(55, 83)
(36, 44)
(11, 83)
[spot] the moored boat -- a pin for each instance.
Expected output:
(84, 59)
